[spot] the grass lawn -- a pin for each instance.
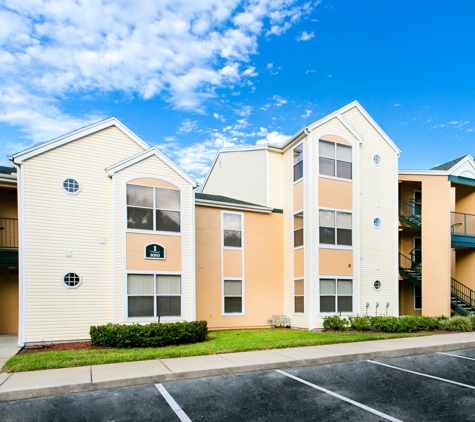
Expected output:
(220, 342)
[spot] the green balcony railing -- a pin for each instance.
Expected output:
(463, 224)
(411, 214)
(8, 232)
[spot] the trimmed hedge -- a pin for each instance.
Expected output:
(150, 335)
(404, 324)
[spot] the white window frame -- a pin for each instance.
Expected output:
(336, 278)
(154, 210)
(303, 296)
(301, 162)
(72, 287)
(335, 245)
(154, 318)
(71, 178)
(223, 313)
(335, 161)
(303, 229)
(242, 230)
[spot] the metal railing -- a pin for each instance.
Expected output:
(411, 210)
(407, 263)
(8, 232)
(463, 224)
(463, 292)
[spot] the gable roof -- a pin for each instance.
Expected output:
(153, 151)
(449, 165)
(219, 201)
(21, 156)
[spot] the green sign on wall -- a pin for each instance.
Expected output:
(154, 251)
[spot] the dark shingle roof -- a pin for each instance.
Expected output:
(219, 198)
(449, 165)
(7, 170)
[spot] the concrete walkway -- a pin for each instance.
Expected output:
(8, 347)
(23, 385)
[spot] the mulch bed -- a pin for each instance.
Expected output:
(78, 345)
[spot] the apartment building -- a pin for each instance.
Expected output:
(109, 229)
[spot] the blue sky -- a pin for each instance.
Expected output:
(192, 77)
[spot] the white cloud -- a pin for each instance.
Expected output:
(306, 114)
(244, 111)
(279, 101)
(472, 129)
(219, 117)
(305, 36)
(397, 105)
(274, 137)
(310, 71)
(188, 126)
(329, 76)
(177, 49)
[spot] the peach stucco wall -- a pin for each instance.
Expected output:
(335, 193)
(263, 269)
(8, 302)
(406, 299)
(336, 262)
(136, 243)
(436, 242)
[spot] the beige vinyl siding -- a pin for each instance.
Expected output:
(332, 127)
(153, 166)
(276, 175)
(240, 175)
(56, 222)
(378, 198)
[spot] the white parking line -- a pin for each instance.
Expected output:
(331, 393)
(457, 356)
(173, 404)
(424, 375)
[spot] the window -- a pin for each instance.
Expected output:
(377, 285)
(299, 297)
(377, 159)
(417, 298)
(298, 162)
(377, 222)
(335, 160)
(335, 228)
(151, 296)
(71, 185)
(233, 296)
(298, 229)
(153, 208)
(71, 280)
(336, 295)
(232, 230)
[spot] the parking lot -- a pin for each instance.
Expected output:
(431, 387)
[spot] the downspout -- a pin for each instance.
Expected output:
(308, 212)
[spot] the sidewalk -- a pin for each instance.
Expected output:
(51, 382)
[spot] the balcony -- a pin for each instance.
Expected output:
(8, 241)
(410, 214)
(463, 230)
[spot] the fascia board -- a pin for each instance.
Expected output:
(468, 159)
(146, 154)
(227, 205)
(210, 170)
(424, 172)
(8, 179)
(19, 157)
(337, 115)
(372, 122)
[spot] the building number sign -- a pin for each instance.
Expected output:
(154, 251)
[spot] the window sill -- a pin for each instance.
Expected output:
(156, 232)
(155, 319)
(324, 176)
(340, 247)
(233, 248)
(232, 314)
(299, 247)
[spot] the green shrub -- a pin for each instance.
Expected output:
(150, 335)
(361, 322)
(471, 318)
(388, 324)
(335, 322)
(458, 323)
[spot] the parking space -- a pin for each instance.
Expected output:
(432, 387)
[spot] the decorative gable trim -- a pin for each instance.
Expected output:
(146, 154)
(19, 157)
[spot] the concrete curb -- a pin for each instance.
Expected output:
(126, 382)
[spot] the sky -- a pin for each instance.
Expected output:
(191, 76)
